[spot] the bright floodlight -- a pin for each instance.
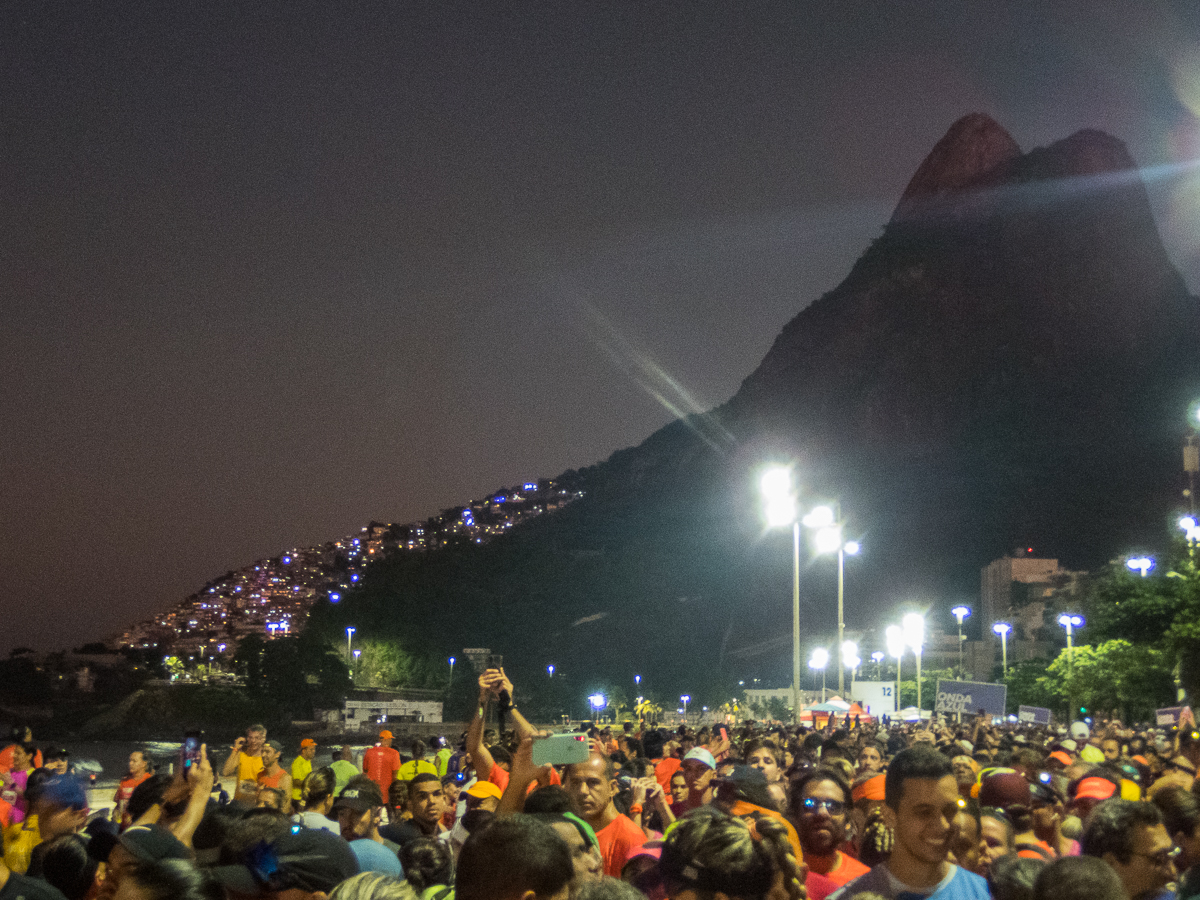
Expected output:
(914, 630)
(1070, 619)
(1141, 564)
(597, 701)
(686, 698)
(852, 548)
(852, 662)
(819, 517)
(820, 658)
(827, 540)
(781, 511)
(1001, 628)
(895, 641)
(849, 652)
(960, 613)
(877, 656)
(776, 484)
(1187, 523)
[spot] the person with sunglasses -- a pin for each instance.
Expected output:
(1130, 836)
(818, 803)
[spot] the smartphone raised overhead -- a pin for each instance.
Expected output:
(560, 749)
(190, 751)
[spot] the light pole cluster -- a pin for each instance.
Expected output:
(960, 613)
(782, 509)
(819, 660)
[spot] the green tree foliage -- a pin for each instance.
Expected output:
(1161, 611)
(1114, 675)
(293, 674)
(386, 664)
(1028, 686)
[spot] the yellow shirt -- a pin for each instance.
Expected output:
(301, 769)
(247, 775)
(19, 841)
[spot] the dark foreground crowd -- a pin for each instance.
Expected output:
(853, 811)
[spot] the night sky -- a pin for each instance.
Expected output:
(270, 271)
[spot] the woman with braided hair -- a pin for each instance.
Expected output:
(709, 854)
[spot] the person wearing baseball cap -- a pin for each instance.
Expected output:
(1088, 793)
(309, 861)
(382, 762)
(301, 767)
(358, 811)
(698, 769)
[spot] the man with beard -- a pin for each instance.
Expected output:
(592, 785)
(818, 804)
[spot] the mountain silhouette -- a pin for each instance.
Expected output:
(1008, 364)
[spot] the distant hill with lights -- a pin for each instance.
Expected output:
(1008, 364)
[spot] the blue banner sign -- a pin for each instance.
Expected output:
(969, 697)
(1033, 715)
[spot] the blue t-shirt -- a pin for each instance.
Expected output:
(959, 884)
(374, 857)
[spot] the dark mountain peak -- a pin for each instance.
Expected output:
(975, 149)
(1086, 152)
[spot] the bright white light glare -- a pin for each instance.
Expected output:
(852, 548)
(819, 517)
(960, 613)
(1187, 523)
(781, 511)
(1141, 564)
(776, 484)
(849, 651)
(852, 662)
(877, 656)
(914, 631)
(895, 641)
(1070, 619)
(820, 658)
(1001, 628)
(827, 540)
(597, 701)
(686, 697)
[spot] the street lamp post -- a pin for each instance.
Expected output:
(1002, 629)
(877, 657)
(819, 660)
(349, 639)
(450, 683)
(827, 522)
(354, 678)
(850, 660)
(1142, 564)
(685, 698)
(550, 670)
(780, 500)
(1071, 621)
(895, 648)
(960, 613)
(914, 636)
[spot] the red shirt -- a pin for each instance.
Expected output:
(499, 778)
(618, 840)
(381, 764)
(665, 770)
(842, 871)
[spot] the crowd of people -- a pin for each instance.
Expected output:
(962, 810)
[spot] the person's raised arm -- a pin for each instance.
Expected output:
(523, 774)
(520, 724)
(481, 759)
(231, 762)
(200, 782)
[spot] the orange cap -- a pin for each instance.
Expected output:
(871, 789)
(1095, 788)
(1061, 756)
(385, 734)
(307, 742)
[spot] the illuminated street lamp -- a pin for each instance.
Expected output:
(1071, 621)
(1191, 529)
(819, 660)
(598, 702)
(850, 660)
(914, 636)
(349, 638)
(685, 698)
(637, 680)
(357, 654)
(451, 681)
(826, 522)
(780, 499)
(878, 657)
(960, 613)
(1142, 564)
(550, 670)
(1002, 629)
(894, 635)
